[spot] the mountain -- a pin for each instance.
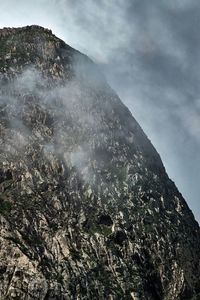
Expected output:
(87, 210)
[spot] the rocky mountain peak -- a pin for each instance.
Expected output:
(87, 210)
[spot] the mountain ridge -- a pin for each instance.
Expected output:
(87, 209)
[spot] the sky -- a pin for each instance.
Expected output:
(149, 52)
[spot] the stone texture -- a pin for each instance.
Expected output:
(87, 210)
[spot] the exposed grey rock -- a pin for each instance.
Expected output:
(87, 210)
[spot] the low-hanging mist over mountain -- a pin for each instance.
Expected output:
(87, 210)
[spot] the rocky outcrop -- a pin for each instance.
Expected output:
(87, 210)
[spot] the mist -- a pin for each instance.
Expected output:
(149, 53)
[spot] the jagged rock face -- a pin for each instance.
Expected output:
(87, 210)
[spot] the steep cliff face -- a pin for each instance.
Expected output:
(87, 210)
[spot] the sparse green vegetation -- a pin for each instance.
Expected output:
(5, 206)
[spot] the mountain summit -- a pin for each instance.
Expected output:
(87, 210)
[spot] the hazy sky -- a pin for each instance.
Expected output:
(150, 53)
